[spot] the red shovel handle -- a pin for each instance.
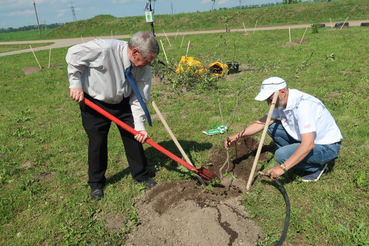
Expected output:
(134, 132)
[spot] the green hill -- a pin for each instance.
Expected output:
(274, 15)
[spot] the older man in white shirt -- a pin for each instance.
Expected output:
(97, 71)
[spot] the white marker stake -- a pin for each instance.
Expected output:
(255, 25)
(188, 46)
(35, 57)
(303, 35)
(164, 51)
(344, 23)
(167, 39)
(49, 58)
(244, 27)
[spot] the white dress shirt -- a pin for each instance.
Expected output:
(98, 67)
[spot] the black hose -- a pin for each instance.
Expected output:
(288, 212)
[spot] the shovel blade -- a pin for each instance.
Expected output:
(205, 173)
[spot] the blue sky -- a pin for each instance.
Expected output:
(19, 13)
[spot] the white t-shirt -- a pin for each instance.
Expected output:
(305, 113)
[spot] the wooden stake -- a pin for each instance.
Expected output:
(49, 58)
(161, 117)
(289, 31)
(82, 39)
(188, 46)
(35, 57)
(182, 41)
(251, 177)
(255, 25)
(331, 23)
(176, 34)
(166, 58)
(111, 34)
(244, 27)
(303, 35)
(167, 39)
(344, 23)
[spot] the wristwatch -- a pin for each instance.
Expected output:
(283, 167)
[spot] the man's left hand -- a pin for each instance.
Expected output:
(142, 136)
(275, 172)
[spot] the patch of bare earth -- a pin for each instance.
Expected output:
(186, 213)
(297, 42)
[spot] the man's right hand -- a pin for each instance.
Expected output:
(230, 140)
(77, 94)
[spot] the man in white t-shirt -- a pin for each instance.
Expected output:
(306, 134)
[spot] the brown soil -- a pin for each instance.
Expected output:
(30, 70)
(186, 213)
(297, 42)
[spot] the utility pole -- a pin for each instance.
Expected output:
(148, 7)
(171, 4)
(38, 24)
(73, 12)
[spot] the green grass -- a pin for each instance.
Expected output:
(23, 36)
(43, 162)
(12, 47)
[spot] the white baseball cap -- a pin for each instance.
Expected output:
(269, 86)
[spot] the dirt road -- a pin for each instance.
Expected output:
(60, 43)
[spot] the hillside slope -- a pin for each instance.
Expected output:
(275, 15)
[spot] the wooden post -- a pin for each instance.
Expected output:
(255, 25)
(344, 22)
(176, 34)
(171, 133)
(188, 46)
(82, 39)
(167, 39)
(164, 51)
(331, 23)
(289, 31)
(251, 177)
(35, 57)
(49, 58)
(244, 27)
(303, 35)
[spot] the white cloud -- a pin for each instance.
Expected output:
(22, 13)
(223, 1)
(61, 12)
(120, 1)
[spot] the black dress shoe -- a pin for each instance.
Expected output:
(96, 194)
(149, 182)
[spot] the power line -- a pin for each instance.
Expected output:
(73, 12)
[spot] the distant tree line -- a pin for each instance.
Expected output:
(30, 28)
(270, 4)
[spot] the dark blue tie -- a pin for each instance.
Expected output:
(132, 82)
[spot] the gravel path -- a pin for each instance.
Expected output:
(60, 43)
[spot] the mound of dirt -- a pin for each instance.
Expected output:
(186, 213)
(30, 70)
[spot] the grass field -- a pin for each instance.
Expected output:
(26, 35)
(44, 196)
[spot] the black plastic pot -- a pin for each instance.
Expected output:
(233, 67)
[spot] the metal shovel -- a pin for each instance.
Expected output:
(201, 171)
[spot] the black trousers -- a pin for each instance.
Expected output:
(97, 128)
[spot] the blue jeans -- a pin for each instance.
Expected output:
(320, 155)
